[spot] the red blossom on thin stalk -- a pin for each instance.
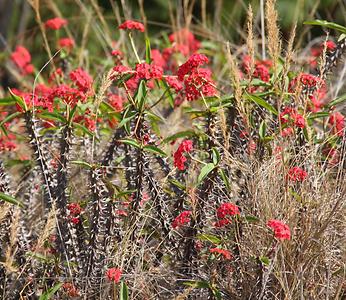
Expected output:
(132, 25)
(194, 61)
(22, 59)
(66, 43)
(182, 219)
(337, 121)
(281, 230)
(55, 23)
(114, 274)
(225, 253)
(179, 158)
(198, 84)
(297, 174)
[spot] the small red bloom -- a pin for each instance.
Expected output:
(74, 209)
(297, 174)
(114, 274)
(75, 220)
(132, 25)
(227, 209)
(55, 23)
(116, 102)
(22, 58)
(195, 61)
(287, 132)
(337, 121)
(298, 120)
(70, 289)
(222, 223)
(225, 253)
(174, 83)
(199, 83)
(82, 79)
(146, 71)
(182, 219)
(179, 158)
(117, 53)
(281, 230)
(66, 43)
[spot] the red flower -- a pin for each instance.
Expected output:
(174, 83)
(22, 58)
(157, 58)
(281, 230)
(55, 23)
(179, 158)
(199, 83)
(285, 114)
(298, 120)
(261, 72)
(297, 174)
(132, 25)
(66, 43)
(181, 219)
(225, 253)
(114, 274)
(147, 71)
(185, 38)
(116, 102)
(287, 132)
(222, 223)
(337, 121)
(227, 209)
(82, 79)
(117, 53)
(71, 290)
(195, 61)
(74, 209)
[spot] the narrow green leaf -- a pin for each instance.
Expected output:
(318, 115)
(209, 238)
(19, 100)
(10, 199)
(177, 184)
(83, 128)
(170, 95)
(205, 171)
(7, 101)
(83, 164)
(262, 130)
(124, 292)
(337, 101)
(147, 51)
(53, 116)
(130, 142)
(197, 284)
(225, 179)
(154, 150)
(141, 95)
(327, 24)
(251, 219)
(181, 134)
(10, 117)
(48, 295)
(261, 102)
(216, 156)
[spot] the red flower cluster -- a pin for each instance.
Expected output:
(281, 230)
(66, 43)
(22, 58)
(114, 274)
(337, 121)
(290, 115)
(261, 68)
(317, 51)
(70, 289)
(199, 83)
(146, 71)
(223, 213)
(74, 210)
(55, 23)
(7, 142)
(82, 80)
(157, 58)
(225, 253)
(179, 158)
(116, 102)
(182, 219)
(132, 25)
(195, 61)
(117, 53)
(297, 174)
(174, 83)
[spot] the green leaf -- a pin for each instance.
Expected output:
(7, 101)
(265, 260)
(336, 101)
(154, 150)
(18, 100)
(10, 117)
(209, 238)
(262, 130)
(53, 116)
(225, 179)
(147, 51)
(216, 156)
(47, 295)
(130, 142)
(124, 292)
(261, 102)
(141, 94)
(327, 24)
(205, 171)
(197, 284)
(170, 96)
(318, 115)
(177, 184)
(83, 128)
(83, 164)
(251, 219)
(10, 199)
(180, 134)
